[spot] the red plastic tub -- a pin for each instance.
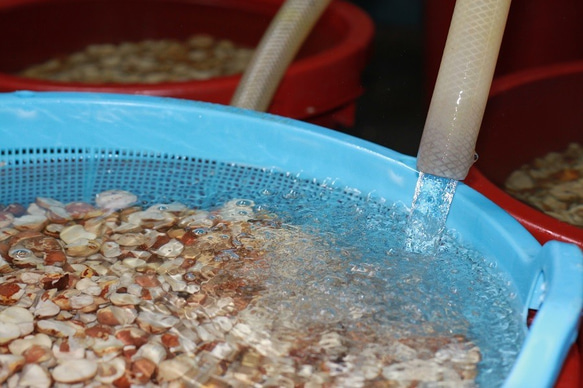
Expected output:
(529, 114)
(538, 32)
(321, 86)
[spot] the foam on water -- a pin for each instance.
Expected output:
(358, 276)
(343, 267)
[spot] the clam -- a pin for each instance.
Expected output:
(82, 247)
(8, 332)
(74, 371)
(32, 222)
(82, 210)
(176, 368)
(39, 354)
(20, 317)
(58, 215)
(110, 249)
(107, 347)
(4, 266)
(6, 219)
(115, 199)
(19, 346)
(47, 203)
(46, 309)
(10, 364)
(10, 293)
(143, 369)
(76, 232)
(34, 375)
(123, 299)
(110, 370)
(154, 352)
(56, 328)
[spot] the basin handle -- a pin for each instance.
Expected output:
(554, 329)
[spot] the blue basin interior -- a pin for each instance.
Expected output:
(549, 278)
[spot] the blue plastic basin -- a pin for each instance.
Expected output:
(548, 278)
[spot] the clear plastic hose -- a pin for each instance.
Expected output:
(277, 48)
(447, 147)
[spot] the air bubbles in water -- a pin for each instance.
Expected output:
(429, 211)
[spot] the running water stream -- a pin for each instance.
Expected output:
(429, 210)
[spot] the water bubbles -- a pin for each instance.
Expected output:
(291, 194)
(189, 276)
(227, 255)
(244, 202)
(200, 231)
(21, 253)
(429, 211)
(327, 315)
(363, 269)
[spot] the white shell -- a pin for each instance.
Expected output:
(107, 347)
(9, 364)
(74, 371)
(46, 308)
(6, 219)
(171, 249)
(152, 351)
(56, 328)
(73, 233)
(124, 299)
(34, 376)
(109, 371)
(19, 316)
(88, 286)
(19, 346)
(8, 332)
(110, 249)
(80, 301)
(175, 368)
(47, 203)
(115, 199)
(33, 222)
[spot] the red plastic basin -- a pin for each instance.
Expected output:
(529, 114)
(320, 86)
(538, 32)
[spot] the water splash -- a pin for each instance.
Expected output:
(426, 222)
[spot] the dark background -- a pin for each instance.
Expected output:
(392, 110)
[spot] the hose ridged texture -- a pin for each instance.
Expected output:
(447, 147)
(277, 48)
